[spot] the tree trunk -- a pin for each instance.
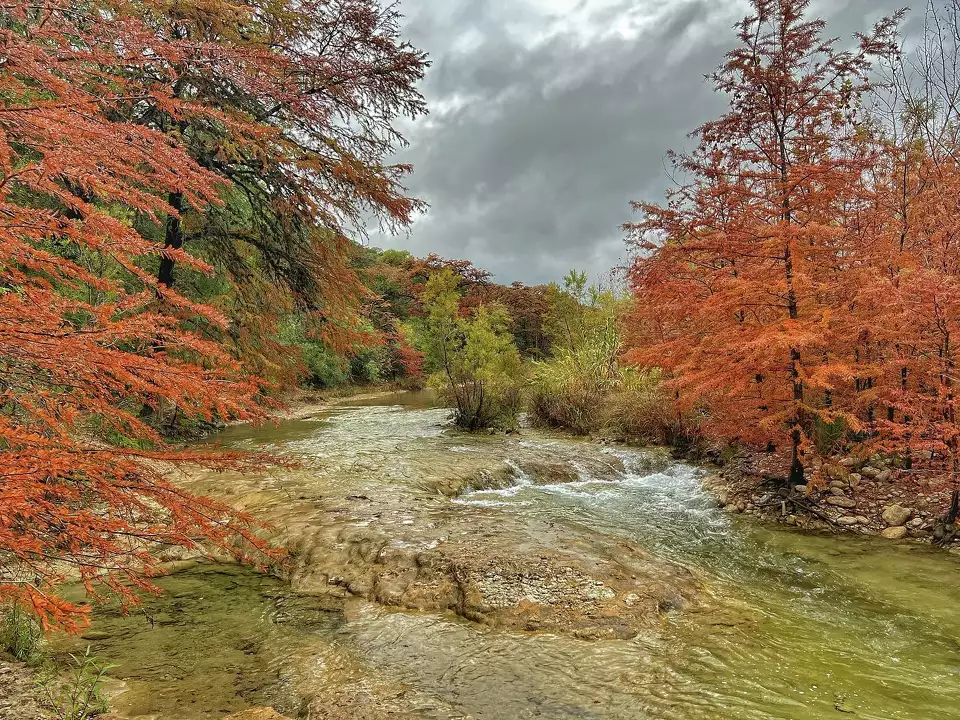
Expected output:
(173, 239)
(796, 464)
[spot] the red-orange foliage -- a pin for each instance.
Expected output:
(295, 104)
(80, 169)
(746, 278)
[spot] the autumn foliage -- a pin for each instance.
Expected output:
(110, 140)
(800, 285)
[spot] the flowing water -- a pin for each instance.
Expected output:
(798, 627)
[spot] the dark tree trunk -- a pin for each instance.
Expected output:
(796, 465)
(173, 239)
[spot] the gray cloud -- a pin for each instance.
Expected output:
(550, 116)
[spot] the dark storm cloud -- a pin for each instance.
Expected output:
(550, 116)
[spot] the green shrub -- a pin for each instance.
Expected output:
(78, 696)
(563, 396)
(475, 363)
(325, 369)
(584, 393)
(370, 365)
(829, 437)
(21, 635)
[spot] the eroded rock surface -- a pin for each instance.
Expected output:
(370, 515)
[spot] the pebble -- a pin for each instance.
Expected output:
(842, 502)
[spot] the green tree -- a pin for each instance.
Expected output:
(474, 361)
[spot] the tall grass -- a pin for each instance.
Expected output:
(21, 635)
(588, 393)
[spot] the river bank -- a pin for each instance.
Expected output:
(861, 496)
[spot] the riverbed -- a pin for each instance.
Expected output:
(587, 582)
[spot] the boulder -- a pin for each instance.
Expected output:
(870, 471)
(848, 462)
(885, 476)
(896, 515)
(848, 521)
(842, 502)
(895, 533)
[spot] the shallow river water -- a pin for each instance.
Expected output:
(803, 626)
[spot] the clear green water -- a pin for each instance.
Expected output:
(800, 627)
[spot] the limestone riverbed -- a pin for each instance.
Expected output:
(437, 575)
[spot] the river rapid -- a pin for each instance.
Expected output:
(587, 582)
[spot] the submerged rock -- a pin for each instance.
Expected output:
(532, 583)
(408, 546)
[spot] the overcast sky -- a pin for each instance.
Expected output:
(549, 116)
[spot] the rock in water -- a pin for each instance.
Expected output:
(895, 533)
(897, 515)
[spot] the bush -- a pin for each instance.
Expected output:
(78, 696)
(21, 635)
(829, 437)
(577, 393)
(370, 365)
(641, 409)
(324, 368)
(562, 397)
(476, 365)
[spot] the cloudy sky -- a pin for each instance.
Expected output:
(549, 116)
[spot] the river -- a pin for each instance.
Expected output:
(782, 624)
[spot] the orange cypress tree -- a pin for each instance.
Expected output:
(902, 329)
(740, 273)
(81, 353)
